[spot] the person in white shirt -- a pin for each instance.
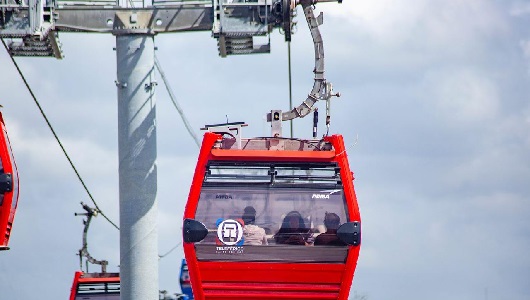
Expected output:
(254, 235)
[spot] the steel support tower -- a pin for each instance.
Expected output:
(137, 166)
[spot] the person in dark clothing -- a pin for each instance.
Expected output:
(330, 238)
(293, 230)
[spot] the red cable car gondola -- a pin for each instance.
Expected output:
(262, 218)
(8, 188)
(95, 286)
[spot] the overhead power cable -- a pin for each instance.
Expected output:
(171, 250)
(290, 83)
(56, 137)
(184, 120)
(176, 104)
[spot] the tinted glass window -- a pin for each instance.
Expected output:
(98, 291)
(98, 297)
(270, 224)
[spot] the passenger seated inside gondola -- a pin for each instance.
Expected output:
(254, 235)
(330, 238)
(293, 230)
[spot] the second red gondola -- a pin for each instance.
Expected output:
(95, 286)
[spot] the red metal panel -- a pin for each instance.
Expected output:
(99, 280)
(196, 185)
(271, 272)
(270, 280)
(191, 206)
(9, 203)
(228, 286)
(353, 208)
(276, 155)
(73, 290)
(268, 295)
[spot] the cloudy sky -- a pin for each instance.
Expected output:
(434, 109)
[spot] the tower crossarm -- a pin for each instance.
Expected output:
(31, 27)
(153, 20)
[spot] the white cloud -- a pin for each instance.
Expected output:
(520, 8)
(389, 34)
(442, 22)
(463, 96)
(525, 46)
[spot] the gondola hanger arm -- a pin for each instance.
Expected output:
(322, 90)
(83, 252)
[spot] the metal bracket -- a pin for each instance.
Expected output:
(193, 231)
(231, 129)
(276, 122)
(6, 182)
(150, 86)
(350, 233)
(30, 26)
(121, 85)
(237, 22)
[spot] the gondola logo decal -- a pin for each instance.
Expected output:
(324, 194)
(320, 196)
(229, 232)
(229, 236)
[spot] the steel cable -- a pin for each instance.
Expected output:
(56, 137)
